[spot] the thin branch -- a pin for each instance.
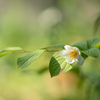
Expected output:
(24, 51)
(51, 50)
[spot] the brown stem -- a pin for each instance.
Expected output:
(21, 52)
(24, 51)
(51, 50)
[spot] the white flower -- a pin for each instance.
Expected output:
(71, 55)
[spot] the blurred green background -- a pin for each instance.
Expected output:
(34, 24)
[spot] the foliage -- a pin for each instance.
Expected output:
(90, 47)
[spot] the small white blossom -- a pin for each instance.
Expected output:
(71, 55)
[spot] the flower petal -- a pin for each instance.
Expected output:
(78, 51)
(70, 60)
(79, 60)
(64, 53)
(68, 47)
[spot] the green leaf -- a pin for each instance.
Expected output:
(93, 43)
(9, 50)
(81, 45)
(90, 42)
(57, 63)
(67, 67)
(25, 61)
(93, 52)
(54, 67)
(84, 55)
(55, 47)
(5, 53)
(96, 43)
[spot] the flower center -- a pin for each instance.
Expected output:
(73, 53)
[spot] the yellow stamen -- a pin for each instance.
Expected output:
(73, 53)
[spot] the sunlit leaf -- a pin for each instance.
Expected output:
(10, 50)
(5, 53)
(67, 67)
(57, 63)
(93, 52)
(25, 61)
